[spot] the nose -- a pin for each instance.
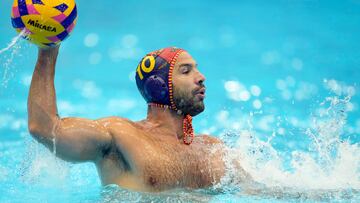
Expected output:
(200, 79)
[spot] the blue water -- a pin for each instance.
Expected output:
(284, 71)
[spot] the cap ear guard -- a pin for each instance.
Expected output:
(152, 79)
(155, 89)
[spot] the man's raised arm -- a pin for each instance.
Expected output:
(75, 139)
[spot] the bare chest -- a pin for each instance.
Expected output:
(157, 162)
(184, 166)
(159, 165)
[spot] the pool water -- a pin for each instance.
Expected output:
(282, 83)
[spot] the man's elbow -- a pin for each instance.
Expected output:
(39, 131)
(42, 126)
(41, 135)
(33, 128)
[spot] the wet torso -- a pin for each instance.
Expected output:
(148, 159)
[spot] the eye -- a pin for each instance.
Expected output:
(185, 69)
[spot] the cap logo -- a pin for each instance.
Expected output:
(147, 65)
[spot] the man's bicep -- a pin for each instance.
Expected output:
(78, 139)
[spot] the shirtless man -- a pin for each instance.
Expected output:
(155, 154)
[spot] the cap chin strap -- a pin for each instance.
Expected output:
(187, 124)
(188, 130)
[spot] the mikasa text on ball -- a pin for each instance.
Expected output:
(45, 22)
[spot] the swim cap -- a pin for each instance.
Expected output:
(154, 76)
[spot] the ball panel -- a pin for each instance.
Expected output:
(15, 4)
(32, 10)
(60, 18)
(38, 39)
(17, 23)
(71, 27)
(69, 3)
(54, 39)
(61, 7)
(42, 26)
(46, 10)
(15, 12)
(71, 6)
(70, 19)
(37, 2)
(22, 8)
(53, 3)
(29, 2)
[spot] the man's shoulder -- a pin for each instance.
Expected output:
(119, 125)
(113, 120)
(210, 139)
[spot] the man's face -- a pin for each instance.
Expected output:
(188, 85)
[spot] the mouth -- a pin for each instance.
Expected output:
(201, 93)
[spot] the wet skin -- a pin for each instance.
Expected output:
(148, 155)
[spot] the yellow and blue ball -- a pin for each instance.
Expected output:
(44, 22)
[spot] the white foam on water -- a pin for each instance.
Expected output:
(4, 173)
(330, 166)
(114, 193)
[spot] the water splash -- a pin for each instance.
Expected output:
(14, 46)
(44, 168)
(330, 168)
(114, 193)
(13, 42)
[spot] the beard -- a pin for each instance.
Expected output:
(187, 102)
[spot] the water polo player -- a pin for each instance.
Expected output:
(158, 153)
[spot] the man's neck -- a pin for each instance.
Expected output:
(166, 118)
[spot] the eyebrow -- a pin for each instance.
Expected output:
(188, 64)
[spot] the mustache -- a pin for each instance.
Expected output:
(201, 88)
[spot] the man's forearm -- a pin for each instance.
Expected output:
(42, 110)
